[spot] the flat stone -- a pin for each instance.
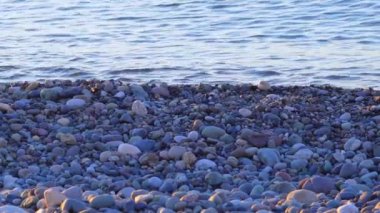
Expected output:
(303, 196)
(102, 201)
(348, 170)
(176, 152)
(128, 149)
(269, 156)
(74, 192)
(68, 139)
(204, 164)
(139, 108)
(303, 154)
(73, 205)
(11, 209)
(53, 197)
(214, 178)
(76, 103)
(345, 117)
(255, 138)
(348, 208)
(213, 132)
(352, 144)
(5, 107)
(193, 135)
(145, 145)
(139, 92)
(319, 184)
(52, 94)
(245, 112)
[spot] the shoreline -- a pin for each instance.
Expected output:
(95, 145)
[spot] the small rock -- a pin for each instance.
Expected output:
(68, 139)
(264, 85)
(128, 149)
(176, 152)
(345, 117)
(213, 132)
(269, 156)
(204, 164)
(52, 94)
(53, 197)
(319, 184)
(303, 196)
(11, 209)
(245, 112)
(75, 103)
(63, 121)
(5, 107)
(348, 208)
(348, 170)
(72, 205)
(74, 192)
(303, 154)
(188, 158)
(214, 178)
(102, 201)
(193, 135)
(352, 144)
(139, 108)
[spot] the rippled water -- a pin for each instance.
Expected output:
(283, 41)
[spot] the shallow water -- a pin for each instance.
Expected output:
(286, 42)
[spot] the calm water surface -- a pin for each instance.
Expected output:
(282, 41)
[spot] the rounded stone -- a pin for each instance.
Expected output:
(53, 197)
(213, 132)
(176, 152)
(139, 108)
(72, 205)
(319, 184)
(102, 201)
(348, 170)
(193, 135)
(214, 178)
(348, 208)
(264, 85)
(303, 196)
(76, 103)
(352, 144)
(245, 112)
(11, 209)
(269, 156)
(203, 164)
(128, 149)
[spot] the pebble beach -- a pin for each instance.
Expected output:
(108, 146)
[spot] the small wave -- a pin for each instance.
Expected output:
(266, 73)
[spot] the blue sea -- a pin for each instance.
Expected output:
(286, 42)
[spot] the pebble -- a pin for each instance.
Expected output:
(348, 170)
(269, 156)
(319, 184)
(213, 132)
(11, 209)
(53, 197)
(348, 208)
(352, 144)
(5, 107)
(193, 135)
(139, 108)
(264, 85)
(245, 112)
(214, 178)
(73, 205)
(101, 201)
(303, 196)
(205, 164)
(128, 149)
(304, 154)
(176, 152)
(76, 103)
(68, 139)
